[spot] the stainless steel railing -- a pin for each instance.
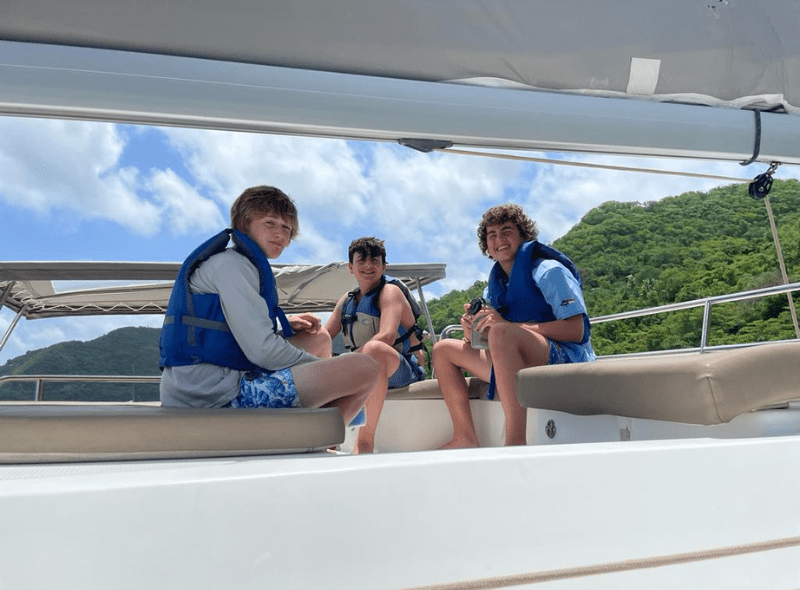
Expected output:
(706, 303)
(40, 380)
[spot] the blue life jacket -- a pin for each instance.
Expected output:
(518, 298)
(195, 330)
(361, 320)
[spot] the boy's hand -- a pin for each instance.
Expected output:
(305, 322)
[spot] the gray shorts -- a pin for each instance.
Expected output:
(408, 371)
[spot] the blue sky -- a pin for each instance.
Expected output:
(74, 190)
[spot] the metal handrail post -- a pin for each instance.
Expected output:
(426, 312)
(12, 325)
(706, 324)
(39, 390)
(785, 276)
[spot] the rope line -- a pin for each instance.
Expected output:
(613, 567)
(784, 276)
(590, 165)
(757, 142)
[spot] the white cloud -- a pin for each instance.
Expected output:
(436, 195)
(314, 247)
(321, 175)
(184, 208)
(51, 164)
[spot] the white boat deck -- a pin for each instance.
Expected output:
(406, 520)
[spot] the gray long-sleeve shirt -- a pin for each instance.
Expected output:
(235, 279)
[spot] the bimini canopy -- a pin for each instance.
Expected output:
(27, 287)
(560, 76)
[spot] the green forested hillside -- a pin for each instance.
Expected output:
(635, 255)
(682, 248)
(126, 351)
(631, 255)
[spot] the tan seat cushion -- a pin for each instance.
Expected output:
(51, 432)
(709, 388)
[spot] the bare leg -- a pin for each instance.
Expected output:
(388, 359)
(317, 343)
(343, 382)
(514, 348)
(449, 358)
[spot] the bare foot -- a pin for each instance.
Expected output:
(360, 449)
(460, 444)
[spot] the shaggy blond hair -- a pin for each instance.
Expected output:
(263, 200)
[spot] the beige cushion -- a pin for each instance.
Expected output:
(429, 389)
(33, 432)
(694, 388)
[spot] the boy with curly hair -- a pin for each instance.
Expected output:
(535, 315)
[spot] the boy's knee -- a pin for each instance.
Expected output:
(448, 352)
(380, 352)
(444, 345)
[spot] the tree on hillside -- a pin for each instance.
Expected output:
(126, 351)
(694, 245)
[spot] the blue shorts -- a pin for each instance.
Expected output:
(260, 389)
(558, 355)
(408, 371)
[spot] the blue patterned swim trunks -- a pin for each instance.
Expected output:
(558, 356)
(359, 419)
(259, 389)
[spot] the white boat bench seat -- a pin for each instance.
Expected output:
(693, 388)
(47, 432)
(429, 389)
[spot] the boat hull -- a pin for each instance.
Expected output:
(408, 519)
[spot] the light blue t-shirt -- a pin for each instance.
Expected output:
(565, 297)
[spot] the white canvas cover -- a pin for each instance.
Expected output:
(389, 70)
(29, 286)
(723, 49)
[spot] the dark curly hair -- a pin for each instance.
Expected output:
(368, 248)
(501, 214)
(263, 200)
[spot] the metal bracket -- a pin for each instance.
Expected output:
(425, 145)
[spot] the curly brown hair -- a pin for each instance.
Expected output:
(368, 248)
(263, 200)
(502, 214)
